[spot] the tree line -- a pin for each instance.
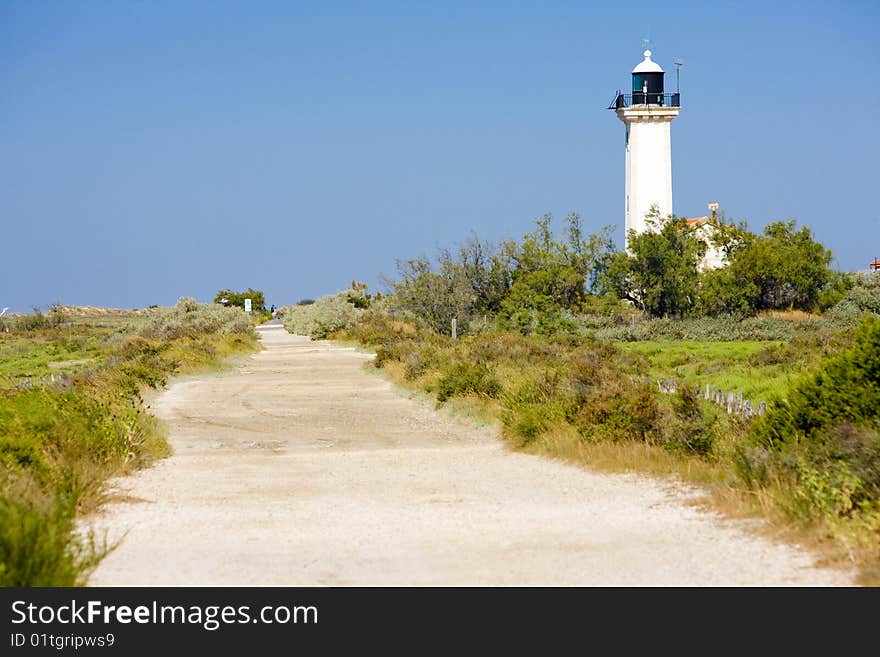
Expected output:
(536, 284)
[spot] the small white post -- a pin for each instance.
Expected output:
(454, 328)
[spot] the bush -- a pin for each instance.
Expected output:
(376, 327)
(621, 409)
(775, 354)
(189, 318)
(467, 378)
(321, 319)
(752, 464)
(861, 300)
(41, 548)
(689, 429)
(839, 473)
(36, 322)
(845, 389)
(721, 329)
(541, 399)
(825, 432)
(612, 404)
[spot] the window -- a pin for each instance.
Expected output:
(637, 81)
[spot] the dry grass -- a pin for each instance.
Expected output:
(789, 315)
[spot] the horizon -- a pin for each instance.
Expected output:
(158, 151)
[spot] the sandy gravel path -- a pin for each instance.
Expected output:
(299, 468)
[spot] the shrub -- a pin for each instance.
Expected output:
(689, 429)
(527, 321)
(189, 318)
(36, 322)
(541, 399)
(775, 354)
(612, 404)
(824, 434)
(621, 410)
(845, 389)
(464, 378)
(526, 423)
(752, 464)
(827, 491)
(722, 329)
(862, 299)
(321, 319)
(839, 471)
(376, 327)
(41, 548)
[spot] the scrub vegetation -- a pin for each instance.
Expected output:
(554, 346)
(72, 415)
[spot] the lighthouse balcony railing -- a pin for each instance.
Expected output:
(637, 98)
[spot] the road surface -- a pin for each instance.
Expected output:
(301, 468)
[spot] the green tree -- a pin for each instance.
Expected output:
(529, 283)
(566, 268)
(464, 284)
(659, 273)
(230, 298)
(552, 275)
(434, 297)
(783, 268)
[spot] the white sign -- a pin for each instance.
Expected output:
(247, 305)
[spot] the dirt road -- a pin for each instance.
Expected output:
(299, 468)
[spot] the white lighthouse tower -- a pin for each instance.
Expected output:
(647, 113)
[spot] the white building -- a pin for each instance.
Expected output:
(647, 113)
(705, 229)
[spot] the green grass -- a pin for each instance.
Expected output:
(723, 365)
(36, 356)
(760, 370)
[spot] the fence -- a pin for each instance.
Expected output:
(59, 381)
(730, 401)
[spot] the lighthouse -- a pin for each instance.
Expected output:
(647, 113)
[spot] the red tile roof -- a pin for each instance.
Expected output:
(696, 220)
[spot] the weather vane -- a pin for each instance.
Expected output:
(646, 43)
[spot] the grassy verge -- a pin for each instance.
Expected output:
(595, 402)
(72, 416)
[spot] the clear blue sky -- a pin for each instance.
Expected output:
(160, 148)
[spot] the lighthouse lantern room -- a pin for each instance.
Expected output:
(647, 113)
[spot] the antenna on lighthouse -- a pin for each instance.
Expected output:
(678, 64)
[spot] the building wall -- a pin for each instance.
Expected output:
(714, 258)
(648, 163)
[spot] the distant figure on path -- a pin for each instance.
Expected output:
(272, 309)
